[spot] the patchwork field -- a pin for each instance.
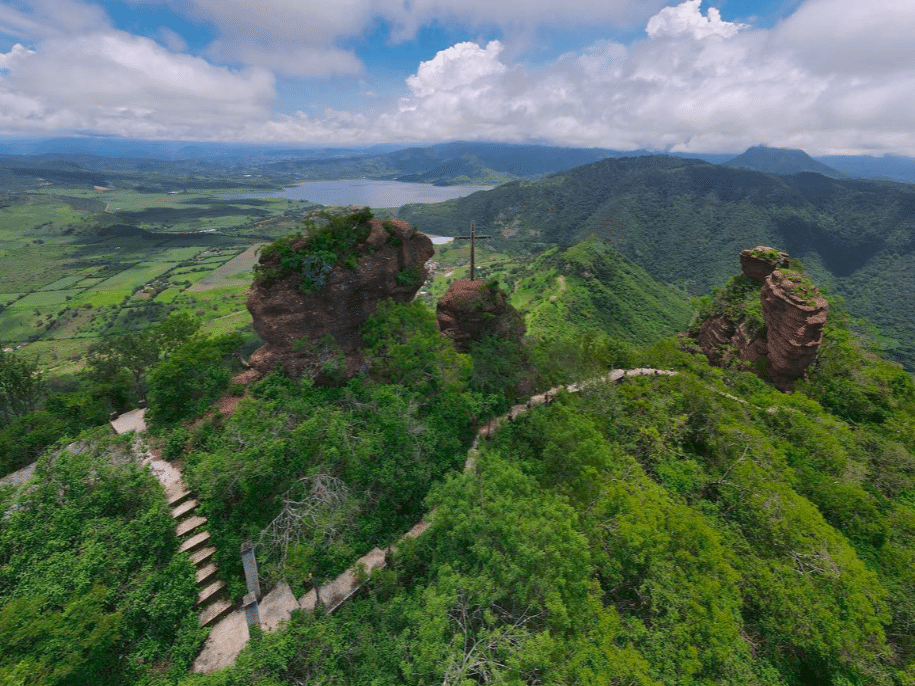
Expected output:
(78, 264)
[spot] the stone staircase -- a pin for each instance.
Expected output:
(195, 540)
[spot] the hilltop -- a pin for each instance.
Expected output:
(688, 526)
(681, 220)
(780, 161)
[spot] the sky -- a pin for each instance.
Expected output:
(826, 76)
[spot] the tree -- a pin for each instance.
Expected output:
(21, 386)
(189, 379)
(138, 351)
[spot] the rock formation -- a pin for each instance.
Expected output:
(757, 263)
(470, 310)
(793, 314)
(317, 332)
(718, 335)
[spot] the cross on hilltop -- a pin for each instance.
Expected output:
(472, 238)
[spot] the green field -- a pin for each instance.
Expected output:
(79, 263)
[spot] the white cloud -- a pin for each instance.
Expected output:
(686, 19)
(16, 53)
(268, 32)
(698, 83)
(173, 40)
(849, 37)
(835, 76)
(457, 67)
(114, 82)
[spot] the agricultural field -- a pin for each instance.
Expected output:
(77, 264)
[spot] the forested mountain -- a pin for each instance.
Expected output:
(781, 161)
(683, 220)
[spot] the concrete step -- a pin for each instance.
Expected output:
(194, 542)
(210, 592)
(206, 574)
(179, 498)
(184, 508)
(215, 612)
(188, 525)
(202, 556)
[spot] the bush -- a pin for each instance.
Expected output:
(186, 383)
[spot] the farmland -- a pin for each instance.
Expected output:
(77, 264)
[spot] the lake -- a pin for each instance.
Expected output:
(366, 192)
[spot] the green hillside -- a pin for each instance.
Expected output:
(695, 527)
(683, 221)
(590, 287)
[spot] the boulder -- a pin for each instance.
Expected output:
(470, 310)
(317, 332)
(757, 263)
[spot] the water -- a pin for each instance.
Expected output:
(366, 192)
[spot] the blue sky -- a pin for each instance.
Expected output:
(829, 76)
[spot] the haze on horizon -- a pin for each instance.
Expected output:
(826, 76)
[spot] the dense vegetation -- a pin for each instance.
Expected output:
(684, 221)
(696, 529)
(91, 588)
(702, 528)
(328, 240)
(36, 412)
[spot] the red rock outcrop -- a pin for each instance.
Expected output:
(795, 314)
(719, 336)
(757, 263)
(470, 310)
(311, 333)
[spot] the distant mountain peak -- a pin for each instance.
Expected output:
(780, 161)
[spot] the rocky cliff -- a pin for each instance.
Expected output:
(312, 293)
(776, 329)
(470, 310)
(795, 314)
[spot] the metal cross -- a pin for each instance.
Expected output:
(472, 238)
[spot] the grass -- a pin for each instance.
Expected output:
(42, 299)
(235, 272)
(64, 283)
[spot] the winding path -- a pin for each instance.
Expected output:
(230, 635)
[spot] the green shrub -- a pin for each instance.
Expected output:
(328, 240)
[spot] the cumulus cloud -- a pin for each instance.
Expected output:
(456, 68)
(686, 20)
(697, 83)
(835, 76)
(114, 82)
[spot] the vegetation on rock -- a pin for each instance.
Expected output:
(328, 240)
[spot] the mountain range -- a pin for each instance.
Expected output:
(684, 220)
